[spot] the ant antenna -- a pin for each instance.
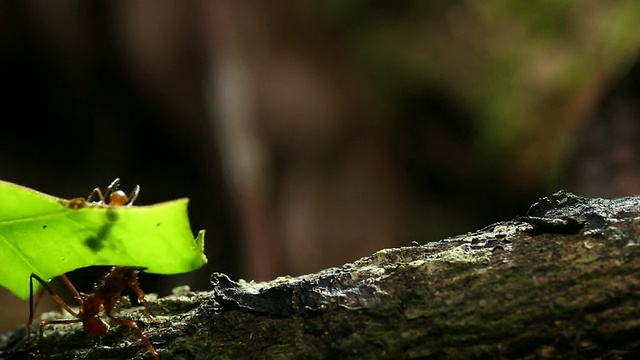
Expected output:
(115, 184)
(134, 195)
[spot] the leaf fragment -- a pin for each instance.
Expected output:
(45, 235)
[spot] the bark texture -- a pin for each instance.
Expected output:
(560, 282)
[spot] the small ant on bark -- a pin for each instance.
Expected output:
(106, 293)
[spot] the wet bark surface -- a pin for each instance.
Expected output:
(560, 282)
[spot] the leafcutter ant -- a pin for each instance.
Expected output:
(106, 293)
(112, 197)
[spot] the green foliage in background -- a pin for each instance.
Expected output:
(40, 234)
(520, 68)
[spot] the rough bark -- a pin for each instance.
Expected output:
(561, 282)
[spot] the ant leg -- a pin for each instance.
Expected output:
(31, 309)
(134, 195)
(45, 323)
(45, 287)
(135, 286)
(132, 325)
(94, 193)
(55, 297)
(72, 288)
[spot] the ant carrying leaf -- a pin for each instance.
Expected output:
(50, 236)
(107, 292)
(105, 297)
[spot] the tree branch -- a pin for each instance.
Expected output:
(561, 282)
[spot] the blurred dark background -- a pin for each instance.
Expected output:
(308, 134)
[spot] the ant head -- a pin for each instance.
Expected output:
(118, 198)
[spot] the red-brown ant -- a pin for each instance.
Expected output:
(106, 293)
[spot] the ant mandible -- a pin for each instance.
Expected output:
(106, 293)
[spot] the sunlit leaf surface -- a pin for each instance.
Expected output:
(41, 234)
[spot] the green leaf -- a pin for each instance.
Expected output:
(40, 234)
